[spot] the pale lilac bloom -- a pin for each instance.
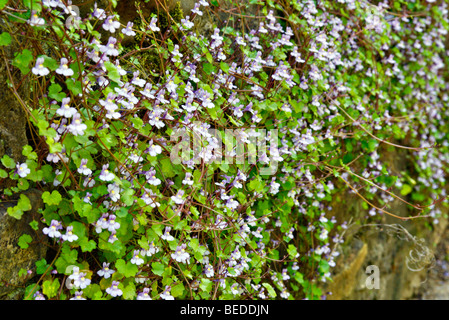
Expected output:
(109, 103)
(105, 272)
(22, 170)
(66, 110)
(51, 3)
(180, 254)
(154, 149)
(151, 177)
(136, 80)
(78, 296)
(166, 294)
(98, 12)
(105, 174)
(167, 236)
(113, 290)
(35, 20)
(110, 24)
(196, 9)
(151, 250)
(137, 259)
(112, 225)
(187, 179)
(86, 198)
(148, 198)
(155, 118)
(128, 31)
(113, 237)
(81, 281)
(153, 25)
(144, 294)
(114, 192)
(109, 49)
(176, 54)
(186, 23)
(89, 182)
(64, 68)
(69, 236)
(147, 92)
(178, 197)
(39, 68)
(220, 222)
(77, 127)
(53, 230)
(83, 169)
(38, 296)
(209, 271)
(203, 3)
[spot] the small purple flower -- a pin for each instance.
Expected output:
(151, 177)
(154, 149)
(64, 68)
(69, 236)
(39, 68)
(110, 24)
(105, 174)
(98, 13)
(109, 103)
(35, 20)
(180, 254)
(66, 110)
(78, 296)
(137, 81)
(147, 92)
(186, 23)
(196, 9)
(114, 290)
(52, 230)
(166, 294)
(153, 25)
(83, 169)
(81, 281)
(38, 296)
(77, 127)
(112, 225)
(128, 31)
(178, 197)
(144, 294)
(167, 236)
(187, 179)
(105, 272)
(176, 54)
(86, 198)
(109, 49)
(22, 170)
(148, 198)
(151, 250)
(137, 259)
(209, 271)
(114, 192)
(113, 237)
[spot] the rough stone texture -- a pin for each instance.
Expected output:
(12, 115)
(13, 137)
(12, 257)
(388, 245)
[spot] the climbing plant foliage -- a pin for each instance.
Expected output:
(330, 87)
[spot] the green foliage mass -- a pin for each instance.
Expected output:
(329, 87)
